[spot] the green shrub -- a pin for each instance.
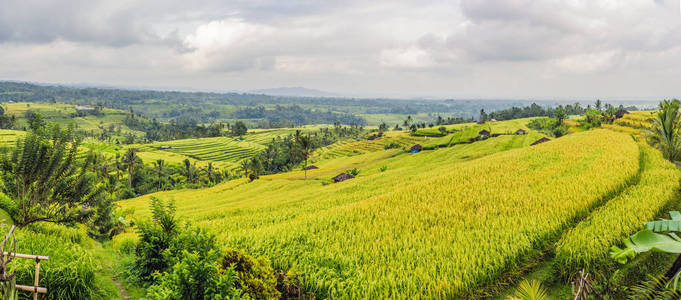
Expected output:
(127, 245)
(392, 145)
(383, 168)
(256, 276)
(195, 276)
(353, 172)
(154, 238)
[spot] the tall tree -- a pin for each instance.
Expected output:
(189, 170)
(305, 145)
(159, 166)
(245, 165)
(665, 131)
(43, 178)
(130, 161)
(210, 172)
(119, 166)
(560, 115)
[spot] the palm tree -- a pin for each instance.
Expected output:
(130, 160)
(119, 167)
(188, 170)
(160, 171)
(305, 144)
(560, 115)
(664, 134)
(210, 171)
(245, 166)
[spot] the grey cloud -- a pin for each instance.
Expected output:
(458, 46)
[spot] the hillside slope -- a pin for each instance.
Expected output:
(432, 224)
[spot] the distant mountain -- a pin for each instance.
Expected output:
(294, 92)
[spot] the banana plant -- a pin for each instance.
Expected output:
(659, 236)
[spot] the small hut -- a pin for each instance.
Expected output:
(310, 167)
(481, 122)
(484, 133)
(520, 131)
(164, 147)
(620, 113)
(371, 138)
(493, 120)
(539, 141)
(416, 148)
(342, 177)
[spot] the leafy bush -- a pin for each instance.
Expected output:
(560, 131)
(155, 238)
(195, 276)
(392, 145)
(256, 277)
(383, 168)
(127, 246)
(353, 172)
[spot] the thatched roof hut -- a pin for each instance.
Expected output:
(620, 113)
(342, 177)
(416, 148)
(539, 141)
(520, 131)
(484, 132)
(310, 167)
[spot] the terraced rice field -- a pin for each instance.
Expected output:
(431, 224)
(223, 149)
(356, 147)
(9, 137)
(586, 246)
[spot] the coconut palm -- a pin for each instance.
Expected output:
(130, 161)
(664, 134)
(210, 172)
(305, 144)
(160, 166)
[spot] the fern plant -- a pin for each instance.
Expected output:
(45, 180)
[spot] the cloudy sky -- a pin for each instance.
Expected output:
(453, 49)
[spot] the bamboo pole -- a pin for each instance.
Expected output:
(37, 274)
(40, 257)
(35, 289)
(27, 288)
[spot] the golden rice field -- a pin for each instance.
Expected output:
(586, 246)
(434, 224)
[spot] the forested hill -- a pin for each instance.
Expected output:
(206, 106)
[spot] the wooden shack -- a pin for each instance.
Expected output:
(342, 177)
(539, 141)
